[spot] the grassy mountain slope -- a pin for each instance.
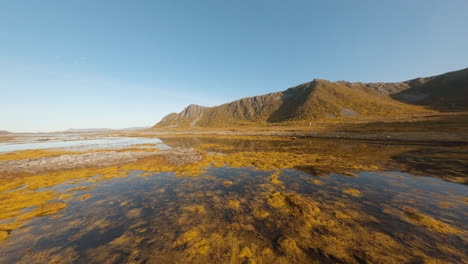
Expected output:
(446, 92)
(321, 99)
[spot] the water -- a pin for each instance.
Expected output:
(270, 201)
(80, 143)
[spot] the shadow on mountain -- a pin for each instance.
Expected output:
(446, 92)
(293, 99)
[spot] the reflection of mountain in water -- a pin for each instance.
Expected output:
(441, 162)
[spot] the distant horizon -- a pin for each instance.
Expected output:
(117, 64)
(89, 129)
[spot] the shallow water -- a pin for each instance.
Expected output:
(344, 202)
(80, 143)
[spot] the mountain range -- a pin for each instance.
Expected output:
(322, 99)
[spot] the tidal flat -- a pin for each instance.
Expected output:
(230, 199)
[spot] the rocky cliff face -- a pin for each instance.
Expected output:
(321, 99)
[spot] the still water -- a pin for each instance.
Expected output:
(258, 201)
(79, 143)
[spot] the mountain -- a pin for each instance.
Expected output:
(321, 99)
(446, 92)
(4, 132)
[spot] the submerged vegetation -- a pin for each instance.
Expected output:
(429, 222)
(235, 200)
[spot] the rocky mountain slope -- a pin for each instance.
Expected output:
(321, 99)
(446, 92)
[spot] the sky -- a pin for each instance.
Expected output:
(116, 64)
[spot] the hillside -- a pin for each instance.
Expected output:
(446, 92)
(321, 99)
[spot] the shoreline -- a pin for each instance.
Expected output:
(418, 138)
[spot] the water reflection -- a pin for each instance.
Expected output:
(448, 163)
(343, 203)
(81, 143)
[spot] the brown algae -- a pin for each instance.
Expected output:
(353, 192)
(274, 213)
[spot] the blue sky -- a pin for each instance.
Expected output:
(115, 64)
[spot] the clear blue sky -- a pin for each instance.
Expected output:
(83, 64)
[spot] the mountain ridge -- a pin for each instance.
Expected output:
(323, 99)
